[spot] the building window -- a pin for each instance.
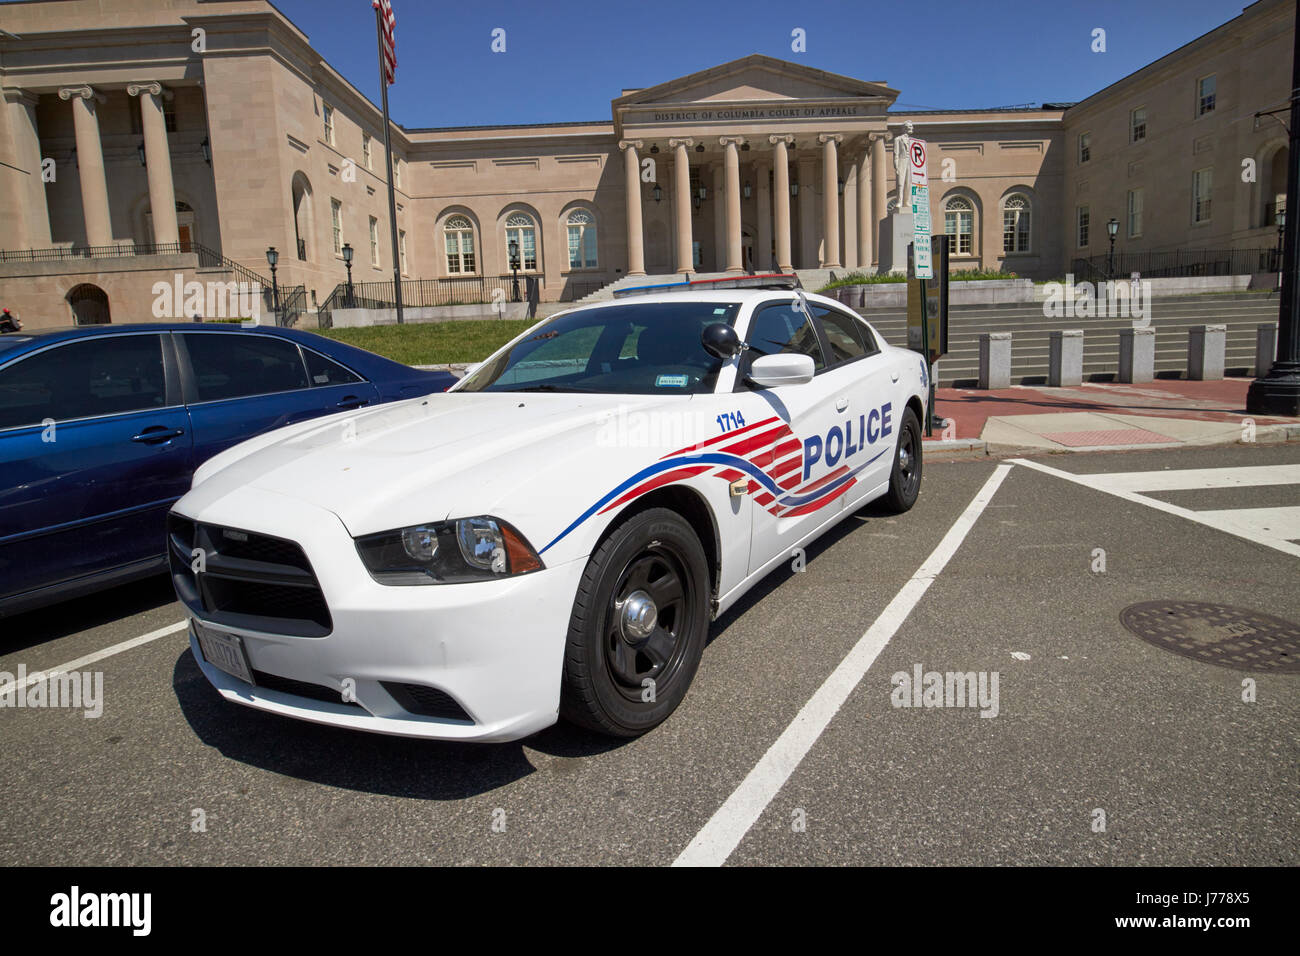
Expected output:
(1083, 220)
(1134, 213)
(582, 240)
(329, 123)
(959, 225)
(1205, 89)
(1085, 147)
(1137, 125)
(336, 224)
(520, 228)
(1202, 187)
(401, 248)
(1015, 224)
(365, 150)
(374, 241)
(459, 235)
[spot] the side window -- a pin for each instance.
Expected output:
(846, 335)
(323, 371)
(234, 365)
(106, 375)
(782, 328)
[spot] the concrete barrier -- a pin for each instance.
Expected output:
(1137, 355)
(1265, 347)
(995, 360)
(1065, 357)
(1205, 344)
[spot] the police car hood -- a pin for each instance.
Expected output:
(521, 456)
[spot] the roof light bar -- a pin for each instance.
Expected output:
(775, 280)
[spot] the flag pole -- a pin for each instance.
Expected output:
(388, 158)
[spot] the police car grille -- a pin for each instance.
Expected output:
(426, 701)
(247, 580)
(300, 688)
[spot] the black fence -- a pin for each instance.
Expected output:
(422, 293)
(207, 258)
(1178, 263)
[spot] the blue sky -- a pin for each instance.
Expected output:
(566, 59)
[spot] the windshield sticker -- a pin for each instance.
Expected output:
(671, 381)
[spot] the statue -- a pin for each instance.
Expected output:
(903, 169)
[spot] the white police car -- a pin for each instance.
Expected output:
(553, 535)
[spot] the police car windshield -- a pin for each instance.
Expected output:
(640, 348)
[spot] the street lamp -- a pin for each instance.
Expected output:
(272, 257)
(1281, 234)
(514, 266)
(347, 261)
(1112, 230)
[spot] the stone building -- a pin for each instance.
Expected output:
(141, 140)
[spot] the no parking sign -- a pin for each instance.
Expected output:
(920, 203)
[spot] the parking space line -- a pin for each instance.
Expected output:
(1225, 521)
(93, 658)
(727, 827)
(1200, 479)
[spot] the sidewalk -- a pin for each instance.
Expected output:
(1100, 417)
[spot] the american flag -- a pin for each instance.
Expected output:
(388, 24)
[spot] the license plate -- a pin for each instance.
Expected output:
(224, 652)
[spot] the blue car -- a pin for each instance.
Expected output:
(101, 428)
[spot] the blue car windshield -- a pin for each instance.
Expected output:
(637, 348)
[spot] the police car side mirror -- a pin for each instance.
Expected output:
(786, 368)
(721, 341)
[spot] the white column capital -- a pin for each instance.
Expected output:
(787, 138)
(152, 87)
(731, 141)
(23, 97)
(626, 144)
(824, 138)
(872, 137)
(84, 91)
(687, 142)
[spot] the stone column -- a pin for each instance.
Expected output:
(682, 201)
(831, 199)
(807, 213)
(781, 195)
(162, 193)
(635, 233)
(879, 188)
(35, 222)
(763, 198)
(735, 249)
(866, 224)
(90, 162)
(719, 220)
(850, 217)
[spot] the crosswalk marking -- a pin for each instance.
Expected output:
(1271, 527)
(1195, 479)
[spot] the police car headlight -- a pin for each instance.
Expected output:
(448, 552)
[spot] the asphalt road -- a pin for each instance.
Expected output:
(1089, 717)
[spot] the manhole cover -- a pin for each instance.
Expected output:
(1217, 634)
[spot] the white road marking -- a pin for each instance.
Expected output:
(1194, 479)
(1229, 522)
(1280, 523)
(728, 826)
(80, 662)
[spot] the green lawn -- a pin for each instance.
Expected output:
(432, 343)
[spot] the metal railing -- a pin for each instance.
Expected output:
(207, 258)
(1177, 263)
(423, 293)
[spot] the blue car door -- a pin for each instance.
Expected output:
(240, 384)
(95, 447)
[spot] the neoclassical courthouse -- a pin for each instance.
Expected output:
(139, 138)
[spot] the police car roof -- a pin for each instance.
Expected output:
(770, 280)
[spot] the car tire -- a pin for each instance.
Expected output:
(639, 625)
(905, 476)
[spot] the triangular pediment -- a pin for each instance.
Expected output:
(756, 78)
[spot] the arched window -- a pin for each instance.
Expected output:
(582, 240)
(520, 228)
(1015, 224)
(959, 224)
(459, 236)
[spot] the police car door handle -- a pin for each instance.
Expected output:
(893, 376)
(841, 404)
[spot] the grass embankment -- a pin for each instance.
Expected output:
(433, 343)
(960, 275)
